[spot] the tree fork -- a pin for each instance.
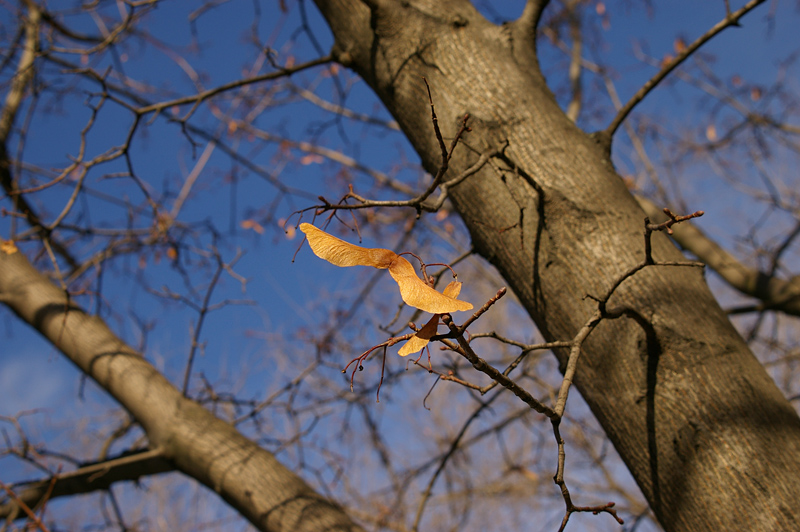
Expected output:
(707, 435)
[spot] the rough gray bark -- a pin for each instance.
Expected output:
(199, 444)
(707, 435)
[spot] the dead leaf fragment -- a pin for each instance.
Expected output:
(252, 224)
(452, 289)
(8, 247)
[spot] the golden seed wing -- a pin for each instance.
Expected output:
(417, 342)
(417, 294)
(341, 253)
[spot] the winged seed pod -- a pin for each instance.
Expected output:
(417, 342)
(413, 290)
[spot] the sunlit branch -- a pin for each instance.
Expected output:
(138, 386)
(334, 155)
(14, 98)
(344, 111)
(532, 15)
(247, 163)
(575, 66)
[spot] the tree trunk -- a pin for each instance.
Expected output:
(249, 478)
(709, 438)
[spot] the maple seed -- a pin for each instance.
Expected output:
(413, 290)
(418, 342)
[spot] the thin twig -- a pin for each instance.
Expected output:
(202, 313)
(558, 478)
(454, 445)
(200, 97)
(25, 508)
(484, 367)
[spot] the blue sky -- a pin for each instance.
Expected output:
(284, 297)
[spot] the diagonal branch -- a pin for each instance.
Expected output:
(532, 15)
(14, 98)
(89, 478)
(200, 445)
(197, 99)
(731, 19)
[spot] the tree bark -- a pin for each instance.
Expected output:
(199, 444)
(707, 435)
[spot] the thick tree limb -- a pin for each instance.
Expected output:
(696, 418)
(89, 478)
(249, 478)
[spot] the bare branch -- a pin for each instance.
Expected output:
(455, 443)
(88, 478)
(532, 15)
(558, 478)
(484, 367)
(731, 19)
(575, 66)
(196, 99)
(246, 475)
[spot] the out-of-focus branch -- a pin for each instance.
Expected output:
(575, 66)
(775, 293)
(454, 445)
(532, 14)
(24, 73)
(197, 99)
(731, 19)
(11, 106)
(200, 445)
(344, 111)
(334, 155)
(92, 477)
